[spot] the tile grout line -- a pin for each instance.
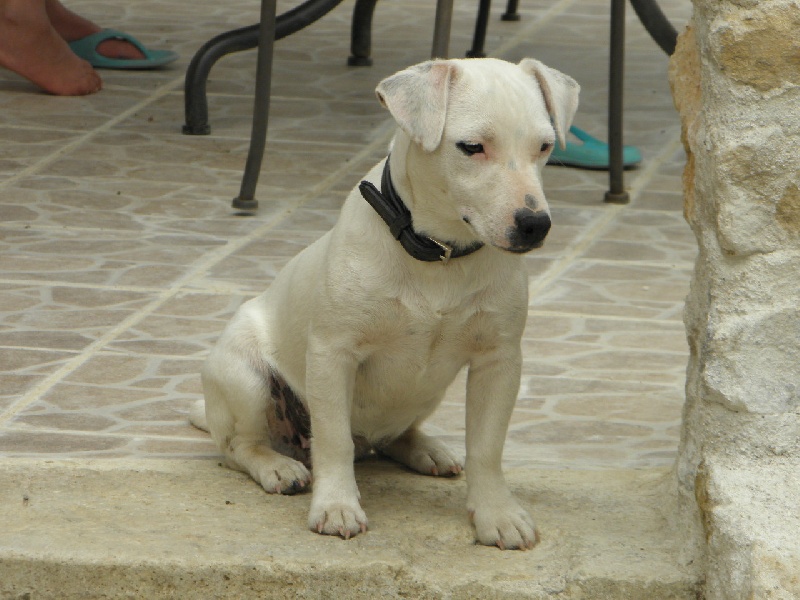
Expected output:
(79, 285)
(671, 264)
(559, 267)
(536, 286)
(536, 312)
(83, 138)
(108, 434)
(537, 23)
(213, 135)
(665, 156)
(229, 288)
(177, 287)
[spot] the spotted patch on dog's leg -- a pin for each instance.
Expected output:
(289, 423)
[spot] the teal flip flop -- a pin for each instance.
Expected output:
(591, 153)
(86, 48)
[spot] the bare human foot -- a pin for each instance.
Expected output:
(32, 48)
(72, 26)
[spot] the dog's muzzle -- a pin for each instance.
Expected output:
(529, 230)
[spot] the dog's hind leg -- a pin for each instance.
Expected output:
(237, 409)
(276, 472)
(423, 453)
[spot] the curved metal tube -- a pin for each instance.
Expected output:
(237, 40)
(656, 24)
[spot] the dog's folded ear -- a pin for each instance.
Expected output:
(417, 99)
(560, 93)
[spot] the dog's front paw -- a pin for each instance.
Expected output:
(342, 518)
(508, 527)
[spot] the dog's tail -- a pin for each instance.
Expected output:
(197, 415)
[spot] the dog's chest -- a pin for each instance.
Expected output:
(408, 364)
(426, 343)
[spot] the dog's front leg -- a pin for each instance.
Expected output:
(335, 508)
(492, 386)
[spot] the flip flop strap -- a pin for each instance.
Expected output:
(94, 40)
(582, 135)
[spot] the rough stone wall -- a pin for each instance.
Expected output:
(736, 83)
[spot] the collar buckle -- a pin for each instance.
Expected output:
(448, 250)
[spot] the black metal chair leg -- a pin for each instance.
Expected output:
(246, 201)
(361, 34)
(481, 25)
(664, 34)
(616, 192)
(441, 29)
(511, 13)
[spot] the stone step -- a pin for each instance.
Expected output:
(193, 529)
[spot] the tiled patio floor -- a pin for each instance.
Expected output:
(121, 259)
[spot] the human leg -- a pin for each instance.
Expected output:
(31, 47)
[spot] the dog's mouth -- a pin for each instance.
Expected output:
(513, 248)
(520, 249)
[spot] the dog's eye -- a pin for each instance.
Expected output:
(546, 147)
(470, 149)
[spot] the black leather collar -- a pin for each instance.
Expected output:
(388, 204)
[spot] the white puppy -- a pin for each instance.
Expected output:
(354, 344)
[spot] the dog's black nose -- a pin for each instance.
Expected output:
(530, 229)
